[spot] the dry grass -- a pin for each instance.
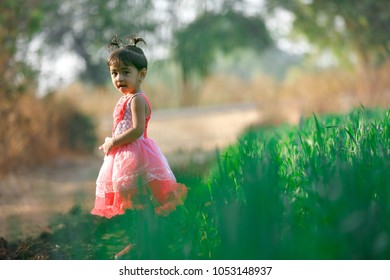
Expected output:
(223, 89)
(25, 133)
(94, 101)
(100, 101)
(331, 91)
(34, 130)
(300, 94)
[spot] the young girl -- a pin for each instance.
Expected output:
(134, 167)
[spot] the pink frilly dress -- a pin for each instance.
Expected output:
(136, 172)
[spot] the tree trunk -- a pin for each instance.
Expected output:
(187, 95)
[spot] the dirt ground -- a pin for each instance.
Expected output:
(27, 201)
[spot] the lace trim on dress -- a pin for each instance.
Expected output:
(131, 181)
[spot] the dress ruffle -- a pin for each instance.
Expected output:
(164, 195)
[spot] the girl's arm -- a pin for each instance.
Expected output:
(138, 111)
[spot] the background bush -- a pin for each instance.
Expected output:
(36, 131)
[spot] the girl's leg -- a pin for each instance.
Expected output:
(124, 252)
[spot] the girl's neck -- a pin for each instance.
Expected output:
(138, 90)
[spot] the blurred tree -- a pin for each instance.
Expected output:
(358, 26)
(19, 20)
(86, 26)
(198, 43)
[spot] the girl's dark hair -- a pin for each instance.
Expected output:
(128, 54)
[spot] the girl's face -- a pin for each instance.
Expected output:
(126, 79)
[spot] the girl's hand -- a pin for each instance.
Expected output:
(108, 145)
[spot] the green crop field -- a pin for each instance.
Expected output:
(318, 190)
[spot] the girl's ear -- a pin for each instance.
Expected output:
(142, 73)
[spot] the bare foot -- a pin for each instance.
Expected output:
(125, 251)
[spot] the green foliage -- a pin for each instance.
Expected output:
(18, 23)
(357, 25)
(316, 191)
(85, 27)
(198, 43)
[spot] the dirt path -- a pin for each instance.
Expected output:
(28, 201)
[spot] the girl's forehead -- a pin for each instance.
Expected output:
(121, 65)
